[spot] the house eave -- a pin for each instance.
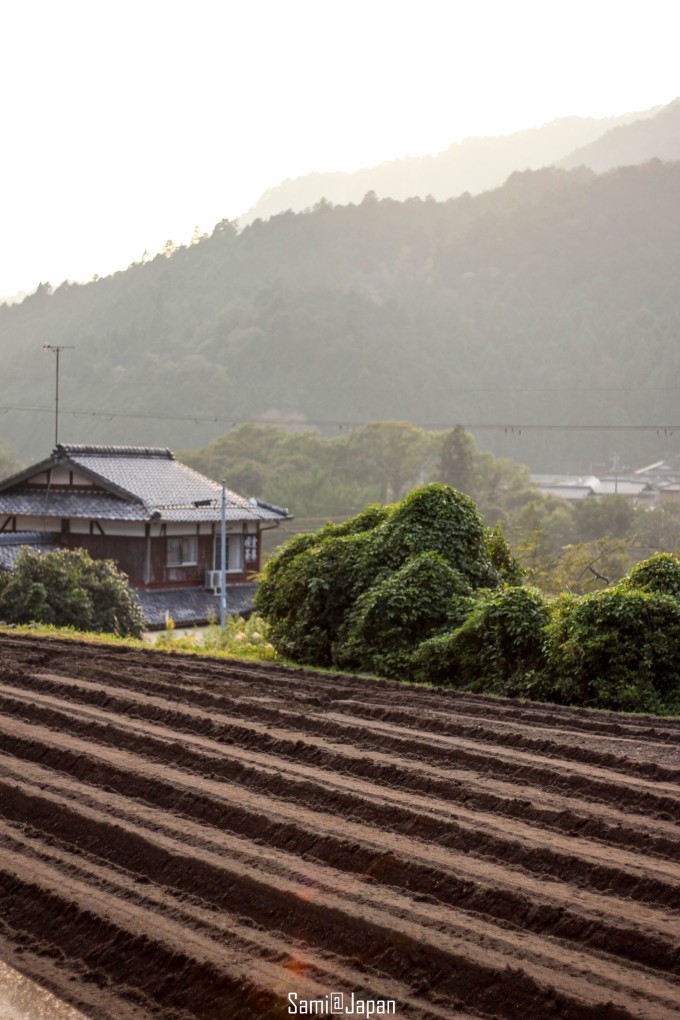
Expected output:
(58, 458)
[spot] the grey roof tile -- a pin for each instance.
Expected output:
(56, 503)
(193, 606)
(153, 476)
(27, 537)
(145, 482)
(12, 543)
(214, 513)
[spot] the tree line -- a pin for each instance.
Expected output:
(563, 545)
(576, 546)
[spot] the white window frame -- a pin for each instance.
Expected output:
(235, 560)
(235, 554)
(182, 551)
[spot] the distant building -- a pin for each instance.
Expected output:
(157, 518)
(574, 487)
(663, 477)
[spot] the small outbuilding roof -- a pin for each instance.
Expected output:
(12, 543)
(189, 607)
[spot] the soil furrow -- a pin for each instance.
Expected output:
(662, 800)
(246, 794)
(191, 839)
(647, 940)
(381, 766)
(392, 944)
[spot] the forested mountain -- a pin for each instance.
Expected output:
(474, 165)
(655, 137)
(551, 300)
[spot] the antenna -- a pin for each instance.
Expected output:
(57, 350)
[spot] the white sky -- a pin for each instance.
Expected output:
(126, 123)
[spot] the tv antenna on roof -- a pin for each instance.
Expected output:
(57, 350)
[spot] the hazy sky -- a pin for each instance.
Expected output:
(126, 123)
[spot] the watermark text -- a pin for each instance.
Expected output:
(339, 1004)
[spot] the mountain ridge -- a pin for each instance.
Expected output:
(552, 300)
(476, 164)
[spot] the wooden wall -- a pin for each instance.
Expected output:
(150, 569)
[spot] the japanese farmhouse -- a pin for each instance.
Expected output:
(157, 518)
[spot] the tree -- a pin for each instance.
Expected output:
(69, 589)
(390, 454)
(657, 528)
(456, 460)
(611, 516)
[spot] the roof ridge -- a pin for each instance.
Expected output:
(113, 451)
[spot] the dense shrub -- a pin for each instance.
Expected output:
(505, 564)
(436, 518)
(333, 597)
(497, 649)
(306, 601)
(423, 590)
(396, 614)
(70, 589)
(618, 648)
(659, 574)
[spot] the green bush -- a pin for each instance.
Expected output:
(334, 597)
(436, 518)
(618, 649)
(291, 595)
(498, 648)
(305, 598)
(70, 589)
(659, 574)
(397, 613)
(505, 564)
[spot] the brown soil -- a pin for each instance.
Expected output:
(185, 838)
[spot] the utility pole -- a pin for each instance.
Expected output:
(616, 464)
(57, 350)
(223, 550)
(223, 559)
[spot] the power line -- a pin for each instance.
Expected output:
(510, 428)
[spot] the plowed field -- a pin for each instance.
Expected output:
(186, 838)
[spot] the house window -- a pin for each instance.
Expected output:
(234, 554)
(183, 551)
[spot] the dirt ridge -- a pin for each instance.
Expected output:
(189, 839)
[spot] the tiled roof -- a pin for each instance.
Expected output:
(567, 491)
(32, 503)
(622, 487)
(12, 543)
(144, 483)
(26, 537)
(150, 475)
(245, 511)
(90, 450)
(193, 606)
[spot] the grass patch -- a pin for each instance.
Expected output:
(240, 639)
